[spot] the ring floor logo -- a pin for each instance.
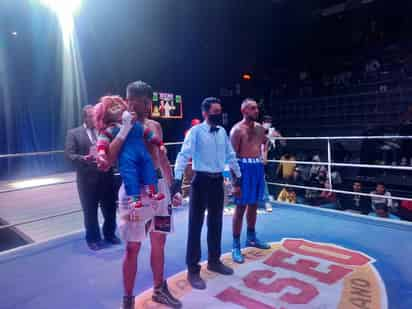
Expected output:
(293, 273)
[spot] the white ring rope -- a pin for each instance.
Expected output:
(301, 138)
(46, 153)
(329, 164)
(389, 167)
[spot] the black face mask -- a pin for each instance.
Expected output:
(216, 120)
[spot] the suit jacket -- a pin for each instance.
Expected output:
(348, 202)
(78, 145)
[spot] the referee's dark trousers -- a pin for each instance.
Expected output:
(206, 193)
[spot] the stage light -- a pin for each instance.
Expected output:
(74, 91)
(59, 6)
(14, 33)
(65, 11)
(246, 76)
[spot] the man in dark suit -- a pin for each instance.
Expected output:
(356, 202)
(94, 186)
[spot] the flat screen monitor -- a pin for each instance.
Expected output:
(167, 106)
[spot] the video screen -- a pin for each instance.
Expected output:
(167, 106)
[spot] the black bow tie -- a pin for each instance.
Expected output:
(214, 129)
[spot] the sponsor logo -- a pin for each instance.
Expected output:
(293, 273)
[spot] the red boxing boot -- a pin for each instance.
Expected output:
(135, 203)
(151, 192)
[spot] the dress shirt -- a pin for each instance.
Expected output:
(91, 133)
(209, 151)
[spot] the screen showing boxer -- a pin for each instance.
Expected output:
(167, 105)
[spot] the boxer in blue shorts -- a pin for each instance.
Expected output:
(247, 138)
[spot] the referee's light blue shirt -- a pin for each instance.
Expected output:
(209, 151)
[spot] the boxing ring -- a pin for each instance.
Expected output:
(319, 258)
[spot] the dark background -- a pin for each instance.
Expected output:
(191, 48)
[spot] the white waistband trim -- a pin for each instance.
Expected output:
(250, 160)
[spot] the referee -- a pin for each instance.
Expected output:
(209, 147)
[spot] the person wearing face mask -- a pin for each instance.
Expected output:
(209, 147)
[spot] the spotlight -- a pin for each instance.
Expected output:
(14, 33)
(65, 11)
(59, 6)
(73, 81)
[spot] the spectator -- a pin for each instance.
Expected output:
(272, 151)
(316, 169)
(382, 211)
(380, 202)
(320, 179)
(356, 202)
(274, 146)
(297, 179)
(285, 169)
(287, 195)
(327, 199)
(312, 197)
(405, 210)
(336, 179)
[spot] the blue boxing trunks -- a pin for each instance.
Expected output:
(253, 181)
